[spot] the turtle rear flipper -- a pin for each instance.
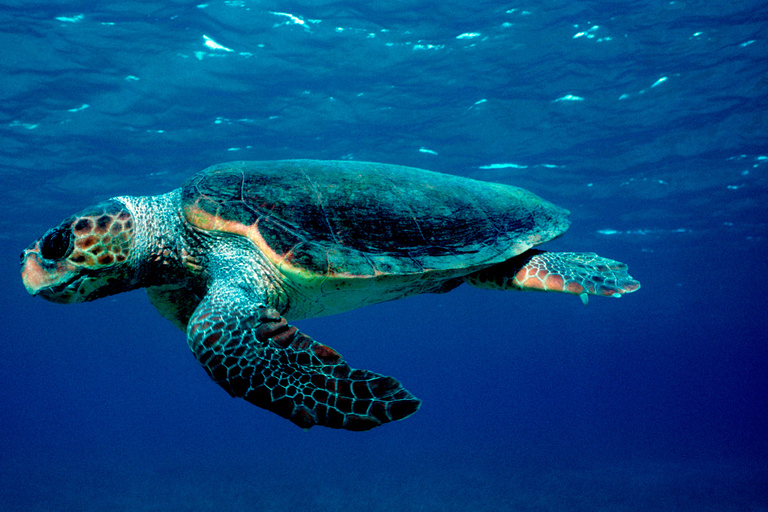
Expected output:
(580, 274)
(253, 353)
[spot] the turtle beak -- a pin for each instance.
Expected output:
(31, 272)
(42, 277)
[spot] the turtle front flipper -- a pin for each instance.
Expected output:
(253, 353)
(580, 274)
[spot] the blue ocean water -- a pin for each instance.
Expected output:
(647, 119)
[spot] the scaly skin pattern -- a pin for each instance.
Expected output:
(256, 355)
(91, 245)
(103, 237)
(112, 247)
(580, 274)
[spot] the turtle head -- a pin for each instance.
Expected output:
(85, 257)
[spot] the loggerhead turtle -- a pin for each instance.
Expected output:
(242, 247)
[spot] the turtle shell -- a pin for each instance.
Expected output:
(359, 219)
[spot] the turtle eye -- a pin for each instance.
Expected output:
(57, 243)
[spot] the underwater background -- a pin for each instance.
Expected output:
(648, 120)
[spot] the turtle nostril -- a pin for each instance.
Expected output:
(57, 243)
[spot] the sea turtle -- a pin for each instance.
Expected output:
(242, 247)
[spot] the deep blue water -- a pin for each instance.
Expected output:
(647, 119)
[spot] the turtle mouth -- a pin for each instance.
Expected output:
(56, 281)
(64, 292)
